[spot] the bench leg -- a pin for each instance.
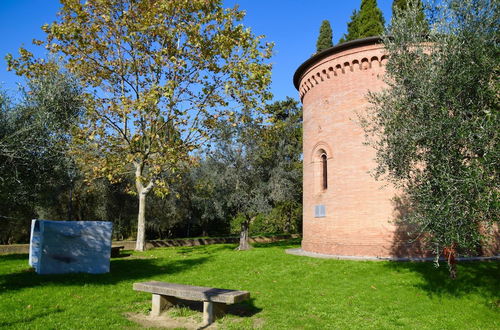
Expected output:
(208, 312)
(161, 303)
(212, 310)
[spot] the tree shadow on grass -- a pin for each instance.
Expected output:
(210, 249)
(14, 256)
(243, 309)
(29, 319)
(285, 244)
(204, 249)
(473, 277)
(122, 270)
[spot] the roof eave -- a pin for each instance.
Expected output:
(327, 52)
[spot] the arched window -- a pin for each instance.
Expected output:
(324, 171)
(320, 157)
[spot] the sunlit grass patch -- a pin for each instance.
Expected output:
(287, 291)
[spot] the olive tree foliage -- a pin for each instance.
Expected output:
(36, 130)
(247, 191)
(209, 193)
(399, 6)
(436, 127)
(157, 75)
(34, 137)
(252, 177)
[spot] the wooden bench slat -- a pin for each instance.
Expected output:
(196, 293)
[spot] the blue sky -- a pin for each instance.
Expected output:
(293, 25)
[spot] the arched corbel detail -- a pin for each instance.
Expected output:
(355, 66)
(365, 64)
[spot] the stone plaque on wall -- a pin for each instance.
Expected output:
(319, 211)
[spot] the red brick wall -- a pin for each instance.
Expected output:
(359, 210)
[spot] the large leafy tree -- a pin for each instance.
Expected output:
(325, 37)
(437, 125)
(157, 75)
(367, 22)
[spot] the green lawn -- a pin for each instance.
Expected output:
(288, 292)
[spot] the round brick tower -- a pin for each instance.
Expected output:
(346, 211)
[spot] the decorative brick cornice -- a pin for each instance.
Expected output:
(338, 68)
(306, 76)
(330, 51)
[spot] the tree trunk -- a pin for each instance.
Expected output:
(288, 221)
(204, 231)
(450, 255)
(244, 244)
(141, 223)
(141, 217)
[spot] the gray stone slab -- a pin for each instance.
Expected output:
(195, 293)
(58, 247)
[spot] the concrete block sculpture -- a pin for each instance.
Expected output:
(58, 247)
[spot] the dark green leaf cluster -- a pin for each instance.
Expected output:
(367, 22)
(325, 37)
(437, 126)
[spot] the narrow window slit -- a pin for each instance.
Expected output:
(325, 171)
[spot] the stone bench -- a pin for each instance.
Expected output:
(214, 300)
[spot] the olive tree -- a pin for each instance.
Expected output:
(436, 126)
(34, 160)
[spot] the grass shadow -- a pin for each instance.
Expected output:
(14, 256)
(121, 270)
(244, 309)
(205, 249)
(285, 244)
(473, 277)
(30, 318)
(122, 255)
